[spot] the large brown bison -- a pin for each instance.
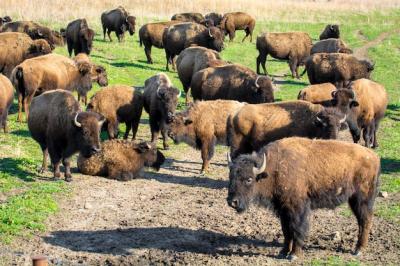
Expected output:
(117, 20)
(79, 37)
(231, 22)
(202, 126)
(330, 31)
(35, 31)
(180, 36)
(331, 45)
(337, 68)
(292, 46)
(121, 160)
(57, 123)
(189, 17)
(216, 18)
(17, 47)
(318, 94)
(6, 99)
(194, 59)
(296, 175)
(118, 103)
(151, 34)
(231, 82)
(160, 101)
(256, 125)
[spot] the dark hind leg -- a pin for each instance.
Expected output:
(375, 140)
(247, 34)
(147, 51)
(109, 35)
(261, 59)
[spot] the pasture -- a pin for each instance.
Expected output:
(176, 215)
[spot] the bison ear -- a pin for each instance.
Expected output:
(261, 176)
(143, 147)
(187, 121)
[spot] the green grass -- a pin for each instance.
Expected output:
(333, 261)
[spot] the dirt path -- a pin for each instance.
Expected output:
(362, 52)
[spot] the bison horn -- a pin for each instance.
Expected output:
(331, 27)
(76, 120)
(158, 92)
(179, 94)
(209, 33)
(257, 81)
(343, 119)
(257, 171)
(228, 157)
(319, 119)
(101, 121)
(39, 33)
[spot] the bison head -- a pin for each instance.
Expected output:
(86, 36)
(215, 38)
(181, 129)
(130, 23)
(168, 100)
(263, 89)
(344, 99)
(369, 67)
(328, 123)
(85, 81)
(150, 154)
(87, 132)
(56, 38)
(39, 47)
(99, 75)
(244, 172)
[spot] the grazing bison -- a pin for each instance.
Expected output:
(79, 37)
(189, 17)
(297, 175)
(256, 125)
(121, 160)
(17, 47)
(194, 59)
(232, 22)
(202, 126)
(331, 46)
(330, 31)
(6, 99)
(151, 34)
(57, 123)
(180, 36)
(117, 20)
(160, 101)
(231, 82)
(318, 94)
(216, 18)
(4, 20)
(118, 103)
(337, 68)
(35, 31)
(292, 46)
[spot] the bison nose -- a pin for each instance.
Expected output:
(94, 149)
(234, 203)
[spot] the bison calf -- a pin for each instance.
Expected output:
(121, 160)
(231, 22)
(297, 175)
(6, 99)
(79, 37)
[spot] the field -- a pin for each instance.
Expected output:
(176, 215)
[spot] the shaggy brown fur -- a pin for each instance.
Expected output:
(330, 31)
(318, 93)
(297, 175)
(234, 21)
(189, 17)
(292, 46)
(17, 47)
(121, 160)
(118, 103)
(216, 18)
(117, 20)
(203, 125)
(6, 99)
(331, 45)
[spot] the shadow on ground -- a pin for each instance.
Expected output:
(17, 167)
(390, 166)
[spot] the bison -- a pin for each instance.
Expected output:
(238, 21)
(6, 99)
(189, 17)
(180, 36)
(331, 46)
(79, 37)
(4, 20)
(231, 82)
(216, 18)
(17, 47)
(151, 34)
(118, 103)
(117, 20)
(256, 125)
(330, 31)
(292, 46)
(160, 101)
(337, 68)
(203, 125)
(121, 160)
(296, 175)
(318, 94)
(57, 123)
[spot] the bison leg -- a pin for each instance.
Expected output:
(44, 162)
(287, 234)
(247, 34)
(261, 59)
(109, 36)
(165, 137)
(67, 170)
(104, 32)
(27, 103)
(135, 125)
(207, 152)
(231, 35)
(167, 56)
(112, 129)
(299, 226)
(293, 67)
(375, 140)
(128, 128)
(147, 51)
(367, 136)
(69, 46)
(154, 128)
(55, 157)
(20, 103)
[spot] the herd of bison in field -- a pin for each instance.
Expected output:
(283, 155)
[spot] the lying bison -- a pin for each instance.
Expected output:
(121, 160)
(330, 31)
(331, 45)
(160, 101)
(79, 37)
(231, 82)
(292, 46)
(6, 99)
(231, 22)
(202, 126)
(337, 68)
(151, 34)
(17, 47)
(216, 18)
(318, 94)
(57, 123)
(256, 125)
(180, 36)
(189, 17)
(296, 175)
(117, 20)
(118, 103)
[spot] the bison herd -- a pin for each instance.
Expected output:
(282, 154)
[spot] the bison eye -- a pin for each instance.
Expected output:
(248, 181)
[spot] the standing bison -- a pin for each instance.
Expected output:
(6, 99)
(79, 37)
(331, 46)
(330, 31)
(296, 175)
(180, 36)
(231, 82)
(62, 129)
(231, 22)
(292, 46)
(160, 101)
(117, 20)
(189, 17)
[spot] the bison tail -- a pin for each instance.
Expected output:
(18, 80)
(304, 71)
(140, 41)
(229, 124)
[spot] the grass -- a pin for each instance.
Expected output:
(333, 261)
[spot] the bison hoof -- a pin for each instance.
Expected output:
(357, 253)
(292, 257)
(68, 178)
(41, 170)
(166, 147)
